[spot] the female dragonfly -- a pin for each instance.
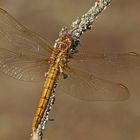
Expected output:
(26, 56)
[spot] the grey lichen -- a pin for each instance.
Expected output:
(85, 23)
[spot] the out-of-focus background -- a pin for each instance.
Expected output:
(116, 30)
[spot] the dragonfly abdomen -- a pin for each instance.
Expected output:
(45, 96)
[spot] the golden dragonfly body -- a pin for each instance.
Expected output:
(57, 62)
(26, 56)
(45, 96)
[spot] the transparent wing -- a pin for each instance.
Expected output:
(15, 37)
(23, 53)
(107, 64)
(90, 88)
(23, 67)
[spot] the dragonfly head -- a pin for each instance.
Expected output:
(73, 48)
(67, 41)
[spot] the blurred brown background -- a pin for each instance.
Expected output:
(117, 29)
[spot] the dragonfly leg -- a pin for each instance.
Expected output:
(46, 74)
(63, 73)
(51, 119)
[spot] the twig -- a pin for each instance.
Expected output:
(77, 28)
(85, 23)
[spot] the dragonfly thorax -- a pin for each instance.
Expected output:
(64, 49)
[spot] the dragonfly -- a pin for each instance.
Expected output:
(26, 56)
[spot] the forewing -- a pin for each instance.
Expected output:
(16, 37)
(87, 87)
(108, 64)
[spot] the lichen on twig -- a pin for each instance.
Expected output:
(84, 23)
(77, 28)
